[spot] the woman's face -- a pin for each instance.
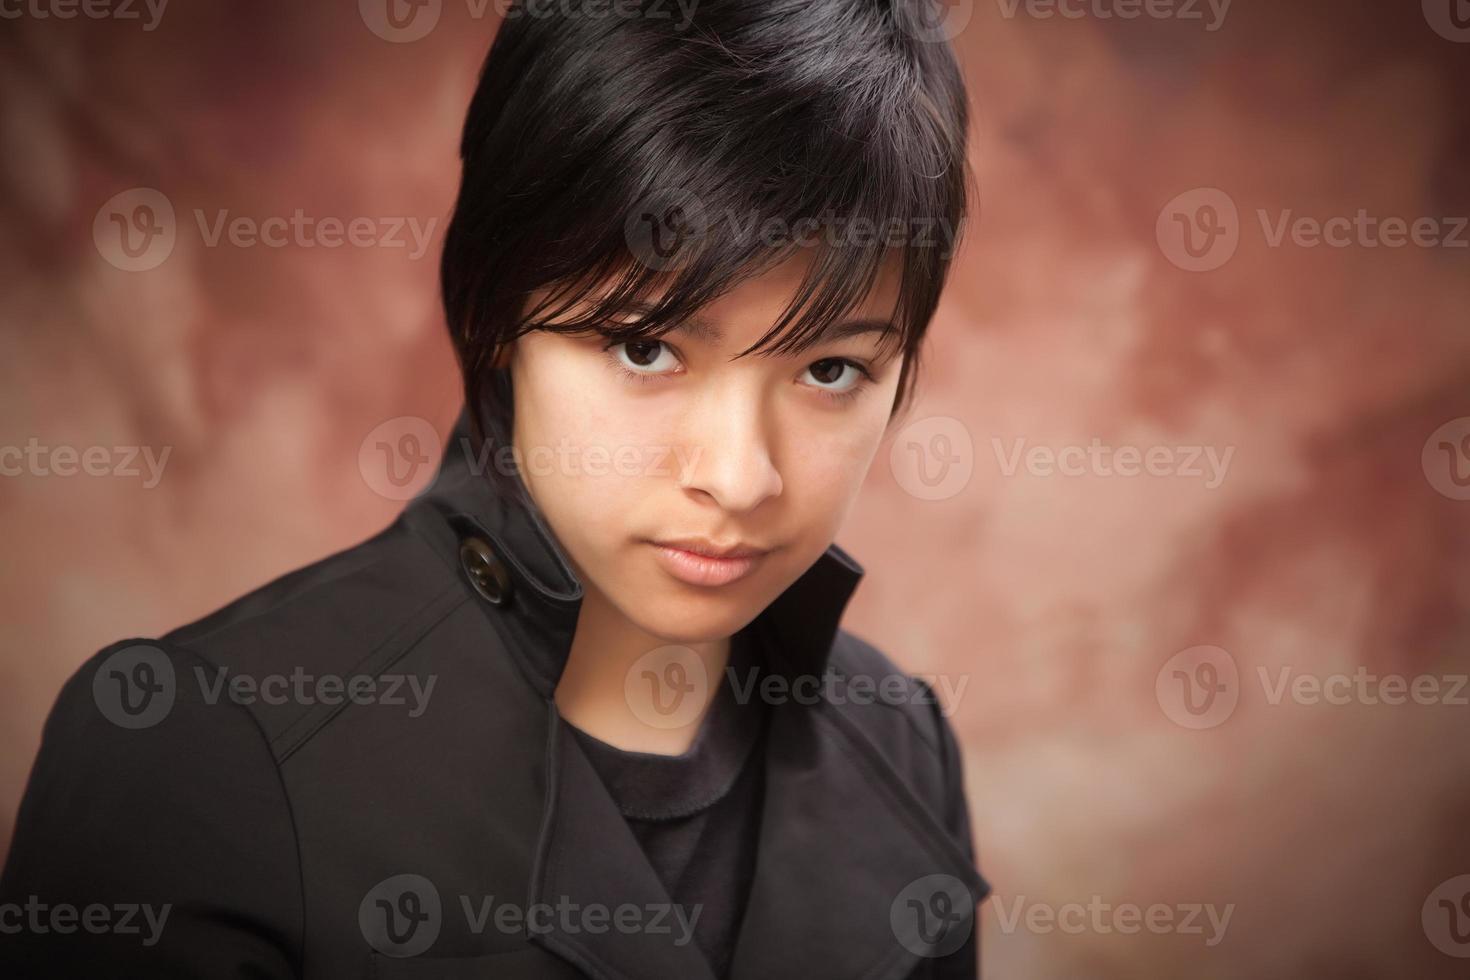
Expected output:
(640, 451)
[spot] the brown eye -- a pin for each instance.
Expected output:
(644, 357)
(643, 353)
(828, 371)
(835, 375)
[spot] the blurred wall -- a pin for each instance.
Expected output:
(1193, 451)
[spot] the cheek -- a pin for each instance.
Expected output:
(826, 462)
(583, 443)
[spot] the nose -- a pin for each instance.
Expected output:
(729, 452)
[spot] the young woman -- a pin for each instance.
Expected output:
(585, 709)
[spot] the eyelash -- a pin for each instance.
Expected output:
(865, 377)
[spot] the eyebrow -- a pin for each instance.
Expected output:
(704, 329)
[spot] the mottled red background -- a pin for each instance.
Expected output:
(1335, 539)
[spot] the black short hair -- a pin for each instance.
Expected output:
(598, 128)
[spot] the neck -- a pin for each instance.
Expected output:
(597, 694)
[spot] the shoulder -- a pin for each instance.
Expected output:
(146, 796)
(901, 723)
(221, 687)
(901, 714)
(867, 676)
(130, 737)
(344, 616)
(177, 744)
(327, 612)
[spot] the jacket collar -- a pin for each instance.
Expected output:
(846, 849)
(477, 494)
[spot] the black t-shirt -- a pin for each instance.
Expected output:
(698, 815)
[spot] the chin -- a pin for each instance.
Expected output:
(677, 614)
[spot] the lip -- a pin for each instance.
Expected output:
(711, 565)
(708, 549)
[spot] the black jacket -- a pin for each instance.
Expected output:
(266, 793)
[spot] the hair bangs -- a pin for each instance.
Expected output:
(621, 174)
(847, 245)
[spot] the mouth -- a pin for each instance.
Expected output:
(696, 561)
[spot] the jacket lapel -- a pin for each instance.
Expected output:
(847, 861)
(588, 858)
(854, 878)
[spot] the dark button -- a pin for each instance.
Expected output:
(487, 573)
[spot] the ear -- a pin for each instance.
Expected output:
(503, 355)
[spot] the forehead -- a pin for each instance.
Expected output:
(748, 309)
(745, 312)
